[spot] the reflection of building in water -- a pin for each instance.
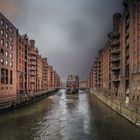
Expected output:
(72, 96)
(72, 101)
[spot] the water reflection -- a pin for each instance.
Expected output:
(23, 123)
(66, 117)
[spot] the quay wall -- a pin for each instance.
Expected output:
(130, 113)
(15, 102)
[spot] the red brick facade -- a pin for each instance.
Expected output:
(120, 58)
(23, 71)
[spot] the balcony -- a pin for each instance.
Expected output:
(33, 63)
(99, 74)
(99, 65)
(127, 34)
(99, 83)
(99, 70)
(45, 73)
(95, 66)
(127, 54)
(33, 53)
(116, 79)
(32, 73)
(32, 57)
(127, 64)
(115, 51)
(115, 67)
(95, 62)
(115, 35)
(127, 43)
(32, 68)
(32, 80)
(127, 75)
(127, 22)
(115, 59)
(115, 43)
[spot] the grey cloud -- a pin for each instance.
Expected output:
(68, 32)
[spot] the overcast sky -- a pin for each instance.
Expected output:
(68, 32)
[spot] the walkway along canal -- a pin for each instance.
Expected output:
(66, 117)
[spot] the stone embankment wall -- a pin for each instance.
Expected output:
(130, 113)
(11, 103)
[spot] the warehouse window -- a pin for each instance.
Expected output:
(139, 67)
(2, 42)
(139, 26)
(4, 76)
(2, 61)
(11, 64)
(135, 70)
(11, 56)
(11, 77)
(133, 98)
(7, 36)
(7, 45)
(137, 98)
(139, 52)
(11, 39)
(11, 48)
(7, 27)
(6, 63)
(2, 52)
(7, 54)
(138, 39)
(2, 22)
(2, 32)
(11, 29)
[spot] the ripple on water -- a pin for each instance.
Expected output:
(66, 117)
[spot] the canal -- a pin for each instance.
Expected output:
(66, 117)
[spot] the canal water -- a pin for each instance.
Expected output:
(66, 117)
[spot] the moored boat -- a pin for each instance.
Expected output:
(72, 84)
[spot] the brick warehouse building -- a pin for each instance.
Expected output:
(120, 58)
(105, 67)
(39, 73)
(22, 65)
(45, 74)
(22, 69)
(33, 53)
(8, 59)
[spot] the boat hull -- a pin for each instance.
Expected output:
(72, 91)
